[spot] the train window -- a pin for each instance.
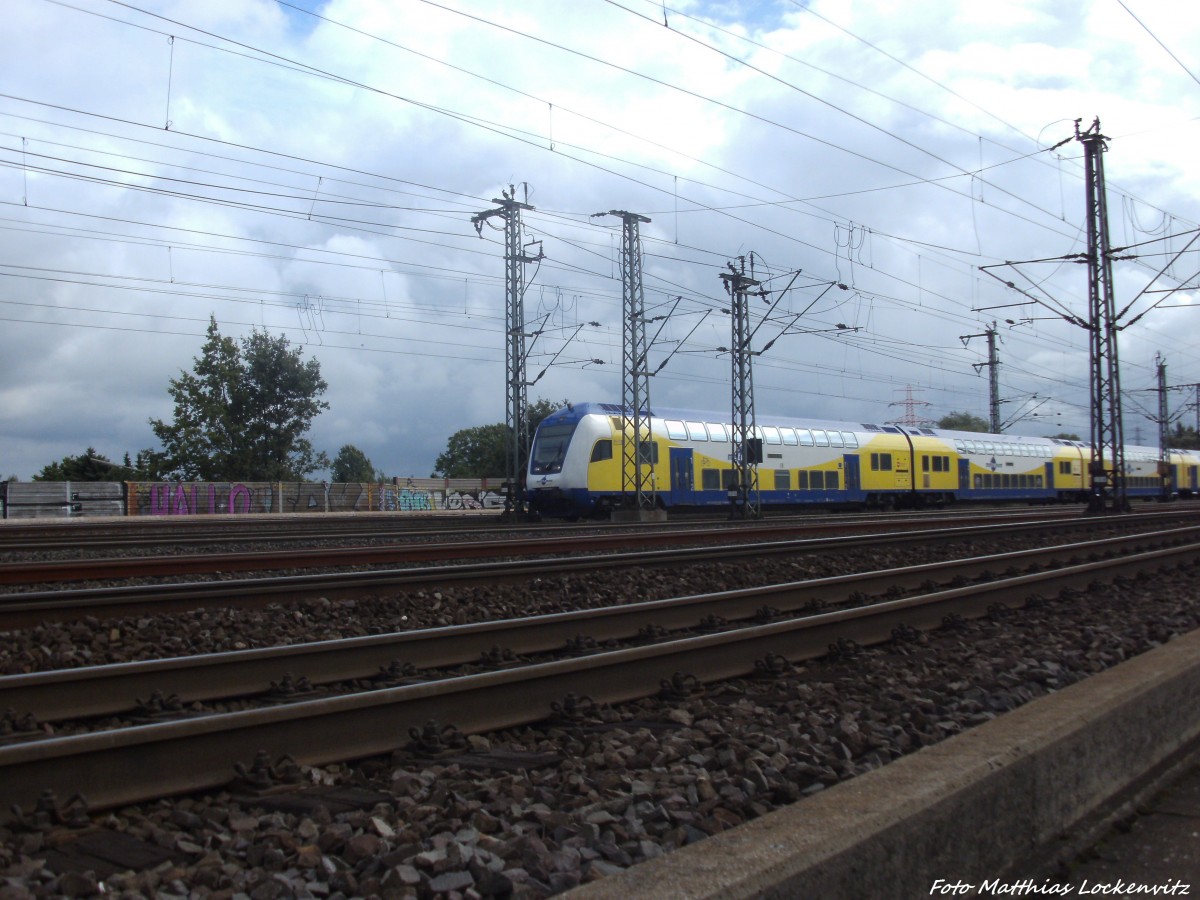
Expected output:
(835, 439)
(924, 463)
(550, 448)
(771, 434)
(783, 480)
(649, 452)
(1064, 467)
(710, 479)
(806, 438)
(1037, 481)
(717, 433)
(802, 479)
(789, 436)
(821, 438)
(831, 481)
(978, 481)
(728, 478)
(601, 451)
(696, 431)
(881, 462)
(676, 431)
(989, 447)
(851, 439)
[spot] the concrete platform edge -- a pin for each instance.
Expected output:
(967, 809)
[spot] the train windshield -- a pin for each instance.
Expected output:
(550, 448)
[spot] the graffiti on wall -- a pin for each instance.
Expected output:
(196, 499)
(393, 499)
(473, 500)
(242, 498)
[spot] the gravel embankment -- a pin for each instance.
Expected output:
(624, 784)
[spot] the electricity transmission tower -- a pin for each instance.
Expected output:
(516, 400)
(637, 464)
(746, 446)
(1107, 473)
(910, 404)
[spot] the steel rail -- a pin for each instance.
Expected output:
(22, 609)
(55, 571)
(173, 531)
(145, 762)
(52, 696)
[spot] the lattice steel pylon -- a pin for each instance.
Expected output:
(516, 399)
(1107, 470)
(637, 467)
(746, 447)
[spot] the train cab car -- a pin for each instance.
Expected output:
(567, 440)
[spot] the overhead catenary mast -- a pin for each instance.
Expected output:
(637, 439)
(1107, 472)
(746, 448)
(516, 400)
(993, 365)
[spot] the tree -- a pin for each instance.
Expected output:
(242, 413)
(1184, 438)
(351, 465)
(1066, 436)
(480, 451)
(88, 466)
(964, 421)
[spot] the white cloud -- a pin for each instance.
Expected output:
(109, 285)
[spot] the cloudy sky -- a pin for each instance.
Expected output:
(311, 169)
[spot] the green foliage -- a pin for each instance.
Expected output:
(473, 453)
(88, 466)
(1067, 436)
(351, 465)
(241, 414)
(479, 452)
(964, 421)
(1184, 438)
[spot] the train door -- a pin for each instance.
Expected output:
(682, 486)
(902, 465)
(1050, 476)
(851, 475)
(964, 474)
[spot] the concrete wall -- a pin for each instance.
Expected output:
(46, 499)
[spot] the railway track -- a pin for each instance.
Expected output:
(112, 689)
(19, 609)
(87, 539)
(132, 764)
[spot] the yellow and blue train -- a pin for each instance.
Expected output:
(576, 458)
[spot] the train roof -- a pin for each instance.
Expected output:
(700, 415)
(576, 410)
